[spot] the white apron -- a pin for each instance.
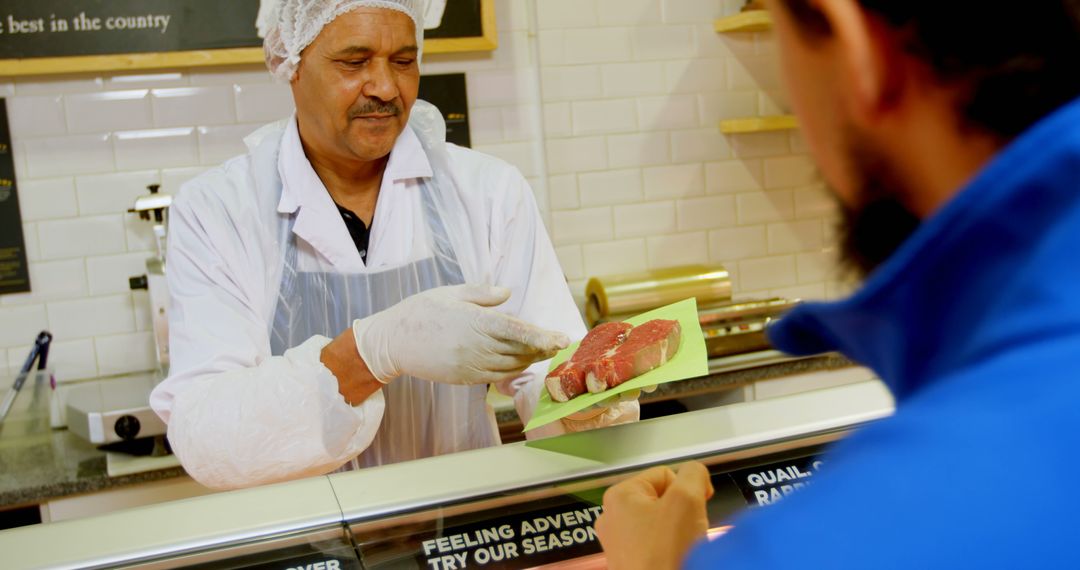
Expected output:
(421, 418)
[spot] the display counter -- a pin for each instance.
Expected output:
(43, 467)
(515, 506)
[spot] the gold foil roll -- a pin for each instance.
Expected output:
(621, 296)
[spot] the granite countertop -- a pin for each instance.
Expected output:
(38, 463)
(42, 463)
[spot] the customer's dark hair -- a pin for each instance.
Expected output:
(1016, 62)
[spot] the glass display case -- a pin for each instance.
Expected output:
(553, 528)
(524, 505)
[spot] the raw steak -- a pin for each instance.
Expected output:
(649, 346)
(568, 379)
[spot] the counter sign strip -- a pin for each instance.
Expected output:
(507, 542)
(769, 484)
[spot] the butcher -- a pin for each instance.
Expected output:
(950, 132)
(344, 294)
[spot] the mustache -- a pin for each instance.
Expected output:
(375, 107)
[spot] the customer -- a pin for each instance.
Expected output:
(951, 133)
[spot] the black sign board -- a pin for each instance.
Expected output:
(44, 28)
(462, 19)
(522, 536)
(74, 36)
(524, 541)
(14, 274)
(448, 93)
(768, 484)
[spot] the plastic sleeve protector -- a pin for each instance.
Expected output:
(237, 416)
(289, 422)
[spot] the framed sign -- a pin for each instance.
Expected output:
(39, 37)
(460, 25)
(14, 273)
(448, 94)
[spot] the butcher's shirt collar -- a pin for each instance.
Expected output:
(302, 187)
(318, 221)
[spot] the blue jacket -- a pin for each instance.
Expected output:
(974, 324)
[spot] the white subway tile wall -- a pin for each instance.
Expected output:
(108, 111)
(608, 107)
(609, 187)
(181, 106)
(675, 184)
(47, 199)
(100, 194)
(625, 256)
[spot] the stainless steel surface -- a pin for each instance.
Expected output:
(739, 328)
(219, 525)
(158, 289)
(739, 310)
(331, 532)
(750, 360)
(101, 411)
(149, 537)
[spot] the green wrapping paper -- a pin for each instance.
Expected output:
(691, 361)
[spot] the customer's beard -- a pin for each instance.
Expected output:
(878, 223)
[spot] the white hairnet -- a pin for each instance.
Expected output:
(289, 26)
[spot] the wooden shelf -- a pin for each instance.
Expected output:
(759, 124)
(752, 21)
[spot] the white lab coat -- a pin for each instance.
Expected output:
(224, 270)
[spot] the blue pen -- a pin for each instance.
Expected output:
(39, 350)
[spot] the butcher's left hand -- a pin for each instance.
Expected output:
(616, 410)
(652, 520)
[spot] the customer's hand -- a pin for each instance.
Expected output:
(453, 336)
(651, 520)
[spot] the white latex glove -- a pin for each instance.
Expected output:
(451, 335)
(619, 409)
(618, 412)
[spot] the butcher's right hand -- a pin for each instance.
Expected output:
(452, 335)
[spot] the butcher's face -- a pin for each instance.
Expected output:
(356, 84)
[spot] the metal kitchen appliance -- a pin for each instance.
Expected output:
(156, 205)
(739, 327)
(116, 411)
